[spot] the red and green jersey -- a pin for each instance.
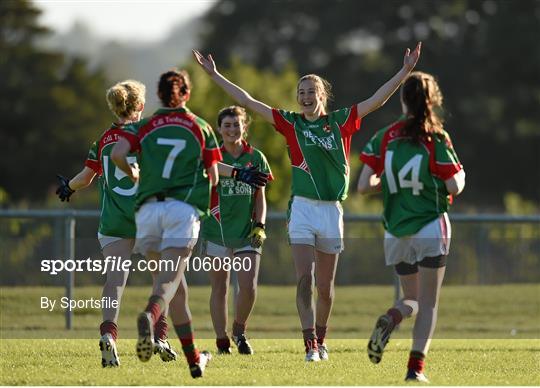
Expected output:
(116, 190)
(319, 151)
(232, 202)
(175, 148)
(412, 177)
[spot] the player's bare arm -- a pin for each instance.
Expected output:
(233, 90)
(385, 92)
(368, 182)
(82, 179)
(119, 157)
(456, 183)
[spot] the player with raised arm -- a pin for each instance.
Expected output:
(319, 144)
(235, 229)
(414, 163)
(116, 231)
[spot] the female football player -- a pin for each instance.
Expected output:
(414, 164)
(319, 144)
(116, 231)
(235, 230)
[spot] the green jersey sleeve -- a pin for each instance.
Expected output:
(371, 154)
(447, 163)
(92, 160)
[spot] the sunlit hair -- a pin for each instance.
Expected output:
(125, 98)
(235, 111)
(323, 87)
(421, 95)
(166, 83)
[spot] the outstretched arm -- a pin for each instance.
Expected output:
(383, 94)
(236, 92)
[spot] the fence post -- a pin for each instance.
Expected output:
(69, 253)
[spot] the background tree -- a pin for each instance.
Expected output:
(51, 108)
(485, 53)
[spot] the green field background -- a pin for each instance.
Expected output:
(486, 335)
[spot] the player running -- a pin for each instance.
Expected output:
(235, 230)
(319, 144)
(116, 231)
(415, 165)
(178, 156)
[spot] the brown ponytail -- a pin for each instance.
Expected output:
(421, 95)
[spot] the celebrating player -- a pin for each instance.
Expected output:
(319, 144)
(178, 156)
(175, 148)
(415, 165)
(235, 230)
(116, 231)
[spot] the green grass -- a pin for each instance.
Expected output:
(276, 362)
(486, 335)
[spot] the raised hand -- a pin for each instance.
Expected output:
(410, 59)
(207, 63)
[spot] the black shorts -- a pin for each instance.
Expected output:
(428, 262)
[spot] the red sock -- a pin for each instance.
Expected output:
(321, 333)
(109, 327)
(161, 328)
(310, 339)
(185, 334)
(223, 343)
(416, 361)
(155, 307)
(238, 329)
(396, 316)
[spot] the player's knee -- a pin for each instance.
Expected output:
(412, 304)
(219, 290)
(304, 289)
(325, 292)
(116, 279)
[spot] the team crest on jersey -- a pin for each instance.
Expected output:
(327, 128)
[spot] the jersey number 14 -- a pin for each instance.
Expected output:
(412, 166)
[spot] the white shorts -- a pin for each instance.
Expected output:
(215, 250)
(430, 241)
(167, 224)
(317, 223)
(107, 240)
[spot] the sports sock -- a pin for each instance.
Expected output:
(396, 315)
(310, 339)
(161, 328)
(109, 327)
(416, 361)
(238, 329)
(184, 332)
(223, 343)
(321, 333)
(155, 306)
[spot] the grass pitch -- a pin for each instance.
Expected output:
(486, 335)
